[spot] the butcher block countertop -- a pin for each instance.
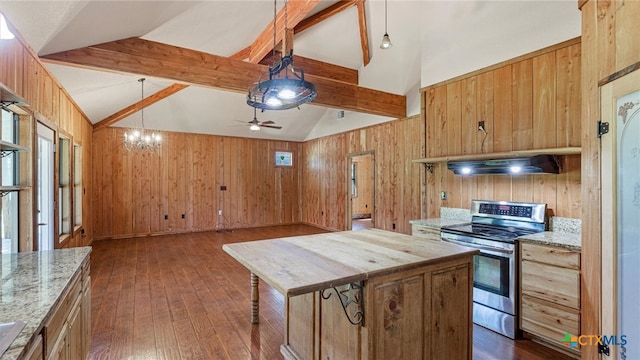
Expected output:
(303, 264)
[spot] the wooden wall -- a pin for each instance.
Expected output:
(135, 190)
(609, 44)
(397, 184)
(23, 73)
(531, 102)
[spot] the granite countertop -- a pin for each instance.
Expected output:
(565, 240)
(31, 286)
(436, 223)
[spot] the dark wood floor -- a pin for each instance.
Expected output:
(181, 297)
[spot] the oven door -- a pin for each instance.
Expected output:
(494, 271)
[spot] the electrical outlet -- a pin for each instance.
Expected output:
(481, 126)
(219, 212)
(443, 195)
(183, 216)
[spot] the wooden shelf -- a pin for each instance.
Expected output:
(502, 155)
(7, 146)
(7, 189)
(7, 97)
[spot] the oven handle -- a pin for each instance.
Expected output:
(479, 247)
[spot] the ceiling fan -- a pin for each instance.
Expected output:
(255, 125)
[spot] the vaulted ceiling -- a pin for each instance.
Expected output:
(200, 57)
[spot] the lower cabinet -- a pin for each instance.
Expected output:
(550, 294)
(35, 350)
(422, 313)
(66, 333)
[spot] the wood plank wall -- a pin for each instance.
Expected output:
(136, 190)
(23, 73)
(397, 183)
(610, 44)
(531, 102)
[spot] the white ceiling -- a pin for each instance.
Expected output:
(425, 34)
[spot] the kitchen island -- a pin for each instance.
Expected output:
(367, 294)
(49, 291)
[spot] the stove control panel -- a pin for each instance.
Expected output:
(519, 211)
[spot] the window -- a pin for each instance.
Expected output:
(77, 186)
(64, 188)
(9, 226)
(284, 158)
(354, 193)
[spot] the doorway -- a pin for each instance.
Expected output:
(45, 188)
(620, 165)
(361, 180)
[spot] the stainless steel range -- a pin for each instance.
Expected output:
(494, 227)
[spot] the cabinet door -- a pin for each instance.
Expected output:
(59, 348)
(74, 332)
(451, 313)
(86, 318)
(36, 351)
(398, 313)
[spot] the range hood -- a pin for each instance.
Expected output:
(538, 164)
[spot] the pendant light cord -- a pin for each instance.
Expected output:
(385, 16)
(142, 101)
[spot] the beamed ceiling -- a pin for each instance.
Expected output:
(200, 58)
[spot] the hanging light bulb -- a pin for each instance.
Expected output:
(386, 40)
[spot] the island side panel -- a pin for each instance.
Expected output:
(443, 310)
(451, 313)
(339, 339)
(301, 328)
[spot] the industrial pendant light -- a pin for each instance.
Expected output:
(285, 87)
(386, 41)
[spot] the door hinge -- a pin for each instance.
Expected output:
(603, 349)
(603, 128)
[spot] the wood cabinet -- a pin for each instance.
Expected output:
(550, 293)
(67, 332)
(423, 313)
(35, 351)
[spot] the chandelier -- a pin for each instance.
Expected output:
(138, 138)
(283, 86)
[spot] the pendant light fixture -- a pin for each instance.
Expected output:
(138, 138)
(285, 87)
(386, 41)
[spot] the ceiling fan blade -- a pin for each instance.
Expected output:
(271, 126)
(267, 122)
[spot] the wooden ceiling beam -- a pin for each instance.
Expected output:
(295, 10)
(318, 68)
(149, 58)
(323, 15)
(132, 109)
(364, 33)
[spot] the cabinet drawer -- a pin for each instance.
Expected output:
(551, 255)
(549, 320)
(424, 231)
(551, 283)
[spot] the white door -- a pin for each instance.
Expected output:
(620, 101)
(46, 204)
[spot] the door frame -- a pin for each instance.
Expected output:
(349, 202)
(36, 191)
(609, 93)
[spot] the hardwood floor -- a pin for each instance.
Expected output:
(182, 297)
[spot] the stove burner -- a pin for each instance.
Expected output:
(490, 232)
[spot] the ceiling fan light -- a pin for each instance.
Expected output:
(254, 127)
(286, 93)
(386, 42)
